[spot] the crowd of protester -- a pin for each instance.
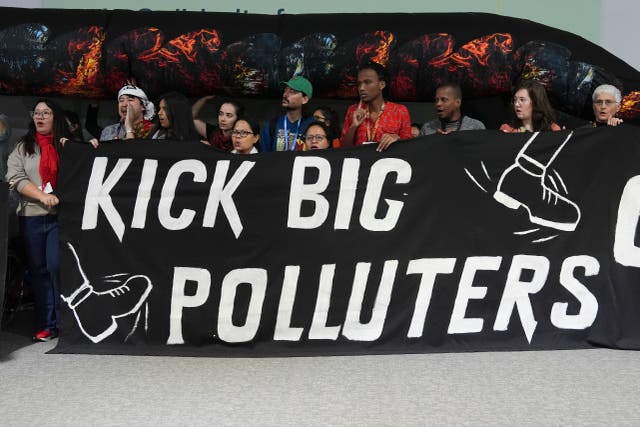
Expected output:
(32, 165)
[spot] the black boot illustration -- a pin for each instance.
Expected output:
(97, 312)
(523, 184)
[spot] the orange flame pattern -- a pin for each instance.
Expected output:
(630, 106)
(440, 60)
(184, 46)
(378, 48)
(83, 81)
(541, 74)
(195, 62)
(153, 36)
(482, 50)
(404, 86)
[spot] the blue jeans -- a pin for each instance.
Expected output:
(40, 235)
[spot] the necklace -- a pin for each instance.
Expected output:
(456, 123)
(371, 135)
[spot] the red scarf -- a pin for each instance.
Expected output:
(48, 160)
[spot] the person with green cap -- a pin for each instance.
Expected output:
(284, 133)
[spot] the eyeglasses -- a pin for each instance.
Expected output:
(44, 114)
(521, 101)
(315, 138)
(241, 133)
(319, 119)
(604, 102)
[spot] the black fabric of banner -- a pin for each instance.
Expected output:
(143, 275)
(4, 223)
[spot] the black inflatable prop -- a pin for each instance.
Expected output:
(91, 53)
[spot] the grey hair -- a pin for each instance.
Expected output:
(610, 89)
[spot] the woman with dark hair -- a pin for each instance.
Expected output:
(317, 137)
(532, 111)
(245, 135)
(33, 172)
(174, 118)
(217, 136)
(329, 117)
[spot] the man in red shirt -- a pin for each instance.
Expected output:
(374, 120)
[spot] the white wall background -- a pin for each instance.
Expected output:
(619, 29)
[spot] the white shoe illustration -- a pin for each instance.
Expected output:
(523, 185)
(97, 312)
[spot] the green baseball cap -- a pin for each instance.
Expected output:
(300, 84)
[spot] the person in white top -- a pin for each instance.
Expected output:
(245, 135)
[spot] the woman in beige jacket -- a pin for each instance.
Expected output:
(32, 170)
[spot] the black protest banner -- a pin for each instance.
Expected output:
(4, 224)
(469, 241)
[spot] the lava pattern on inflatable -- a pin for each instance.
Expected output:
(83, 63)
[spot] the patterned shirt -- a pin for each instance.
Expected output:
(465, 123)
(117, 131)
(274, 138)
(394, 119)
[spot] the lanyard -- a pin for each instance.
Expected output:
(286, 133)
(370, 135)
